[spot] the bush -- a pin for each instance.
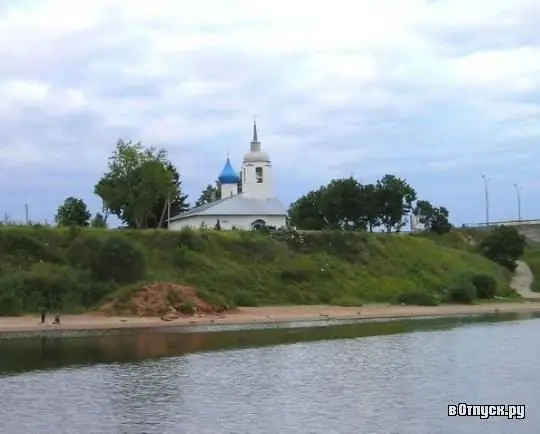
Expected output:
(83, 252)
(25, 248)
(11, 303)
(44, 285)
(187, 308)
(462, 291)
(191, 239)
(486, 286)
(119, 260)
(504, 245)
(217, 301)
(243, 298)
(418, 298)
(346, 301)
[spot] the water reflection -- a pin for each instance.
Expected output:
(275, 381)
(59, 350)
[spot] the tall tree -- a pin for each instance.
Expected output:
(210, 193)
(343, 204)
(396, 199)
(73, 212)
(306, 212)
(178, 200)
(137, 179)
(372, 197)
(434, 219)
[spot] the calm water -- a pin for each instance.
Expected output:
(396, 377)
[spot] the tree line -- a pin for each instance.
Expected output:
(348, 204)
(139, 180)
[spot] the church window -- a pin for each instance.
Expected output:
(259, 175)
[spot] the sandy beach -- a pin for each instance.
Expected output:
(258, 315)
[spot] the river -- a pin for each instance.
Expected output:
(393, 377)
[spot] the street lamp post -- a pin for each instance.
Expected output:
(518, 193)
(486, 193)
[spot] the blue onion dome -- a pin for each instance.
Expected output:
(228, 175)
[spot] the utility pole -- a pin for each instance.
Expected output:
(168, 212)
(26, 213)
(486, 193)
(518, 192)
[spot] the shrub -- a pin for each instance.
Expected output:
(187, 308)
(504, 245)
(191, 239)
(44, 285)
(119, 260)
(26, 248)
(11, 302)
(243, 298)
(217, 301)
(296, 275)
(182, 256)
(463, 291)
(83, 252)
(418, 298)
(346, 301)
(486, 286)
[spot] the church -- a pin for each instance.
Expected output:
(253, 206)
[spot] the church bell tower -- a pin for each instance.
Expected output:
(257, 170)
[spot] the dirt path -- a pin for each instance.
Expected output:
(522, 280)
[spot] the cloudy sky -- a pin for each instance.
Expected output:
(436, 91)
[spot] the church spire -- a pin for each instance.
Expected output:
(255, 138)
(255, 144)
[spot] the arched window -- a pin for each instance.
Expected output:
(259, 175)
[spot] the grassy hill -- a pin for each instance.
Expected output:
(73, 269)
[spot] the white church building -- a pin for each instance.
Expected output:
(253, 207)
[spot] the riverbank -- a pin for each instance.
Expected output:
(264, 315)
(82, 270)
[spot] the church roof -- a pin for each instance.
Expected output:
(239, 204)
(228, 175)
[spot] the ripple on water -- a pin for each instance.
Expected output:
(384, 384)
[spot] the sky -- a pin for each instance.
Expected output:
(439, 92)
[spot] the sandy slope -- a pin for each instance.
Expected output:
(522, 280)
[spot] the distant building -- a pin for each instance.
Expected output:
(254, 206)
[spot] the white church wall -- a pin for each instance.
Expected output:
(227, 222)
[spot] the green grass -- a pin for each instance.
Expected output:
(243, 268)
(532, 258)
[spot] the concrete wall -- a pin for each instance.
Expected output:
(227, 223)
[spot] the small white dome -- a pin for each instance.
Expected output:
(256, 157)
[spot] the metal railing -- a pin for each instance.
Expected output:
(504, 222)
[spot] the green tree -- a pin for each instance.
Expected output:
(373, 206)
(210, 194)
(434, 219)
(306, 213)
(343, 204)
(178, 204)
(99, 221)
(73, 212)
(396, 199)
(137, 179)
(504, 245)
